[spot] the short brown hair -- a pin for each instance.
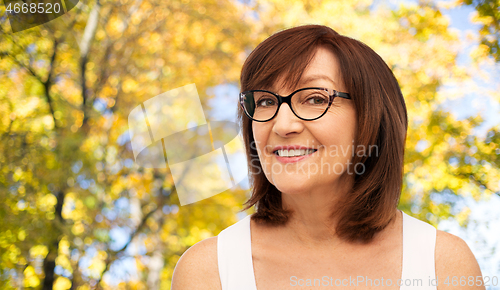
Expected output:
(381, 117)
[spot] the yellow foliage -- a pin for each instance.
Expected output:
(102, 255)
(96, 266)
(21, 235)
(39, 251)
(30, 277)
(64, 262)
(77, 228)
(129, 85)
(462, 217)
(62, 283)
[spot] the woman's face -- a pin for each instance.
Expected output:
(332, 136)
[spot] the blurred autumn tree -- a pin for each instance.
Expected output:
(68, 177)
(68, 183)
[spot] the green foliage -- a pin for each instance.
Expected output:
(488, 14)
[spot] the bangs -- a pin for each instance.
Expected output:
(283, 61)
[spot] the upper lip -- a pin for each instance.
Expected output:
(291, 147)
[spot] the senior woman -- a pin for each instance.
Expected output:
(324, 124)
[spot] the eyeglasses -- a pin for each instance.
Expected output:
(307, 103)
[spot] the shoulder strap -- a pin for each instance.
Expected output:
(419, 241)
(234, 257)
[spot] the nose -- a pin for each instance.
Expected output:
(286, 123)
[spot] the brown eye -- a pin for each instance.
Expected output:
(266, 102)
(316, 100)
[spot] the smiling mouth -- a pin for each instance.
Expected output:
(294, 153)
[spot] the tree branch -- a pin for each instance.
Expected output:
(48, 83)
(114, 255)
(139, 228)
(88, 37)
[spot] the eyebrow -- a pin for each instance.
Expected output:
(309, 79)
(316, 77)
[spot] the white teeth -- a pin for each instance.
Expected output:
(292, 152)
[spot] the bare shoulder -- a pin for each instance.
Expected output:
(197, 268)
(455, 259)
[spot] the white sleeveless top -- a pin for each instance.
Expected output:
(234, 255)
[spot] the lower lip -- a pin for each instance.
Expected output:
(294, 159)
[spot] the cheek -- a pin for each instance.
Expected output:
(260, 136)
(337, 134)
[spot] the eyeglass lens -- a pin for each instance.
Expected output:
(307, 104)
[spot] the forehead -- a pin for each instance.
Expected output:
(323, 70)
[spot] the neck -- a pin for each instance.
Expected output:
(313, 220)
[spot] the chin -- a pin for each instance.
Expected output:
(293, 184)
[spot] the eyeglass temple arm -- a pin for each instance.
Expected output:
(343, 95)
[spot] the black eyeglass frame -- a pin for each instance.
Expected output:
(288, 100)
